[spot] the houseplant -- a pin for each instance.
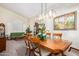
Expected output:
(28, 30)
(42, 34)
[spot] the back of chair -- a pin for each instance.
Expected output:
(57, 35)
(32, 46)
(26, 41)
(48, 35)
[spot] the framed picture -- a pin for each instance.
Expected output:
(65, 22)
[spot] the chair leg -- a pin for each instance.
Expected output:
(31, 52)
(40, 52)
(27, 52)
(49, 54)
(69, 49)
(63, 54)
(73, 48)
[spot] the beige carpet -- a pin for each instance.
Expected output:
(14, 48)
(18, 48)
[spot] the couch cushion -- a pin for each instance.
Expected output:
(17, 34)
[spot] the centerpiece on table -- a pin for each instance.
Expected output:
(42, 34)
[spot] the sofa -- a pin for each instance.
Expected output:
(16, 35)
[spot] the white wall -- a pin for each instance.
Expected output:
(72, 35)
(13, 21)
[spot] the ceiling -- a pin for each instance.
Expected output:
(34, 9)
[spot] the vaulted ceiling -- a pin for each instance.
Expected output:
(34, 9)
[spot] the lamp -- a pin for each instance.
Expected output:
(52, 13)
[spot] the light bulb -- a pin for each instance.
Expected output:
(50, 13)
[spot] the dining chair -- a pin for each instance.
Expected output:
(35, 49)
(48, 34)
(57, 35)
(26, 42)
(73, 49)
(31, 47)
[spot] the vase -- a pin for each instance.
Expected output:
(42, 36)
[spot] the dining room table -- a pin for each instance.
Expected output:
(56, 46)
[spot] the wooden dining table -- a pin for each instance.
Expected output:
(53, 45)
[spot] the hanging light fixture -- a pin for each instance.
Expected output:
(44, 14)
(52, 13)
(41, 17)
(43, 10)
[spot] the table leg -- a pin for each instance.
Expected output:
(63, 54)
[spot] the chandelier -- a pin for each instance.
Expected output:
(45, 13)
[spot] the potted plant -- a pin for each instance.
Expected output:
(42, 34)
(28, 30)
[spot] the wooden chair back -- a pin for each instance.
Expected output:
(48, 35)
(57, 35)
(32, 46)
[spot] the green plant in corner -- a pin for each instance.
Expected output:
(28, 30)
